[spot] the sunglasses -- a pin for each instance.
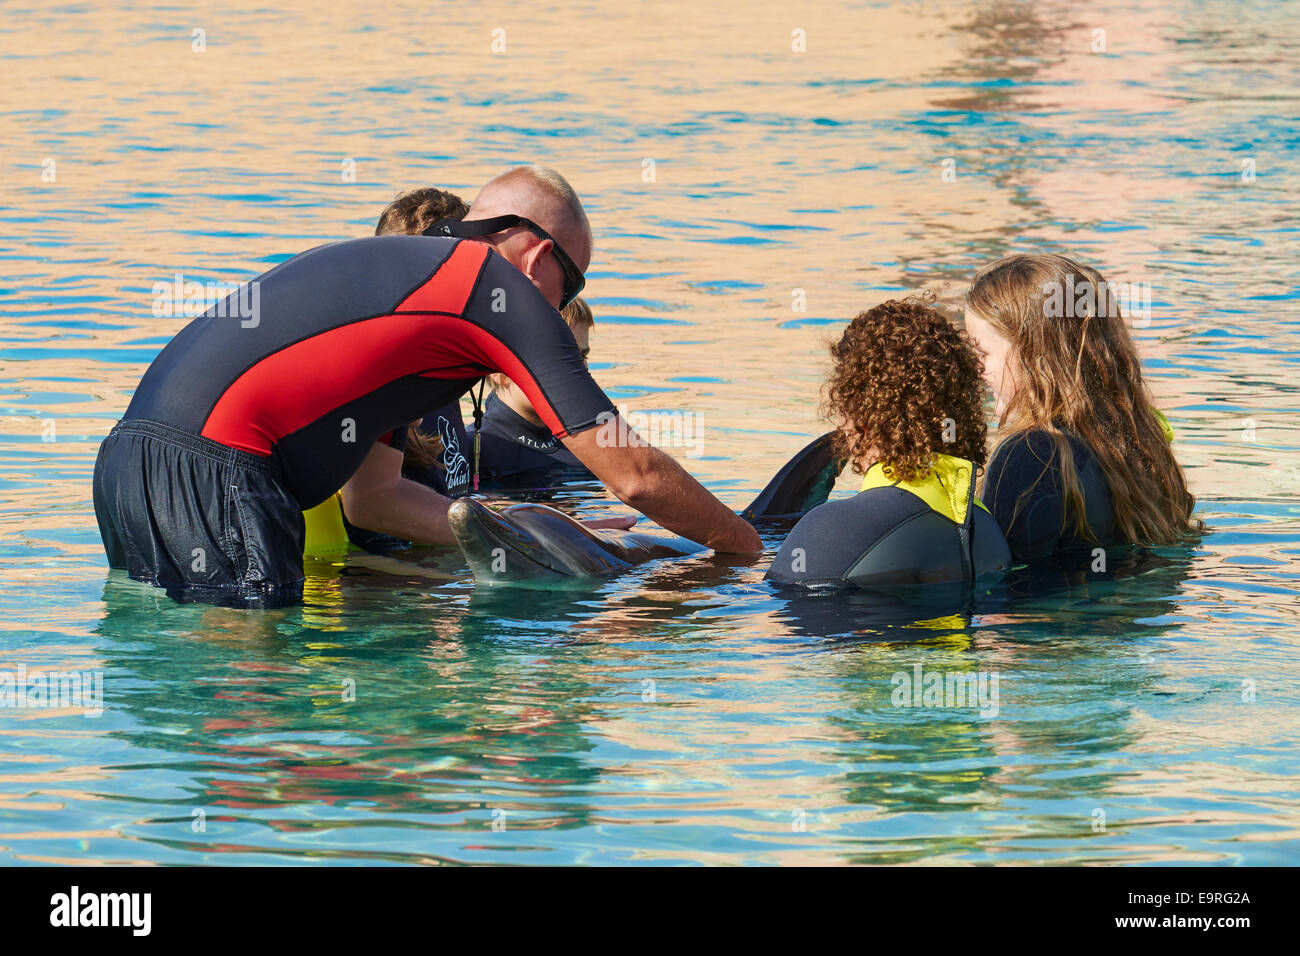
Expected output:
(574, 280)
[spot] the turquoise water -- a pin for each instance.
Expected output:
(684, 713)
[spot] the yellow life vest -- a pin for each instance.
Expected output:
(1164, 424)
(326, 533)
(946, 489)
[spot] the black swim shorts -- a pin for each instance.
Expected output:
(207, 522)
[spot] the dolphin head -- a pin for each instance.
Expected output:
(528, 543)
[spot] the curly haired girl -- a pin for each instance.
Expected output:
(906, 397)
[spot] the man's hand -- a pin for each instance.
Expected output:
(648, 480)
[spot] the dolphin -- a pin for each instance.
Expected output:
(536, 543)
(533, 544)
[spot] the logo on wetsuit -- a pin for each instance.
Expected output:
(453, 462)
(547, 445)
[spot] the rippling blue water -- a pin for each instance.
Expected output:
(685, 712)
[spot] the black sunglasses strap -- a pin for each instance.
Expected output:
(472, 228)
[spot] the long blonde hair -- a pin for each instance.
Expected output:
(1077, 371)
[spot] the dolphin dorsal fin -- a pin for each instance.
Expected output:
(803, 482)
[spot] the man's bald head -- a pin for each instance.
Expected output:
(545, 197)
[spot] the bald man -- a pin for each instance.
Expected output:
(241, 423)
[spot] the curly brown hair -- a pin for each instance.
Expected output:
(907, 385)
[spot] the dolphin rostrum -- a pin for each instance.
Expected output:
(535, 544)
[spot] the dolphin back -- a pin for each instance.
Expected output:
(804, 482)
(536, 545)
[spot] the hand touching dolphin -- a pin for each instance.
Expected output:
(533, 543)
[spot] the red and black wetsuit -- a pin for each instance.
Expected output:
(351, 340)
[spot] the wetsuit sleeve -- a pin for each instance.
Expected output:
(1034, 526)
(528, 341)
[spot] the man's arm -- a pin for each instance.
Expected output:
(378, 498)
(645, 478)
(534, 348)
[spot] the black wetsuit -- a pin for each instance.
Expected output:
(1042, 528)
(241, 424)
(451, 475)
(511, 446)
(890, 537)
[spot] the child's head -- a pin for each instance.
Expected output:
(580, 321)
(1061, 360)
(1054, 338)
(413, 212)
(906, 386)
